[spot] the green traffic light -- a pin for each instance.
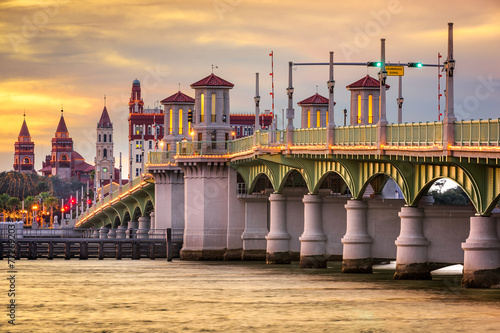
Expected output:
(374, 64)
(415, 64)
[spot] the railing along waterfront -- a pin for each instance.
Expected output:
(477, 132)
(415, 134)
(356, 135)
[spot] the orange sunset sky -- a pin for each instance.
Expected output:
(71, 52)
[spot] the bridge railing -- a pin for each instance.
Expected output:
(203, 148)
(415, 134)
(161, 157)
(356, 135)
(241, 144)
(309, 136)
(477, 132)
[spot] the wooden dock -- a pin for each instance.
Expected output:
(87, 248)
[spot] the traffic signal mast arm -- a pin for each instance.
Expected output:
(369, 64)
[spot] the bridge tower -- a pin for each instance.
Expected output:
(365, 101)
(212, 107)
(24, 155)
(177, 127)
(314, 111)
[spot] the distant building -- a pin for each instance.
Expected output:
(105, 171)
(243, 124)
(145, 130)
(64, 161)
(24, 153)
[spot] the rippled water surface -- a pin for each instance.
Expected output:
(161, 296)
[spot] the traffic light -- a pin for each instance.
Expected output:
(66, 208)
(190, 116)
(89, 201)
(415, 64)
(73, 201)
(374, 64)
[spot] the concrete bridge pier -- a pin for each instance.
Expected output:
(120, 231)
(254, 235)
(482, 254)
(278, 239)
(356, 256)
(132, 229)
(313, 239)
(412, 253)
(112, 233)
(144, 226)
(103, 232)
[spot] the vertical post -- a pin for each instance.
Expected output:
(290, 111)
(257, 110)
(400, 99)
(76, 206)
(50, 252)
(449, 118)
(118, 250)
(67, 251)
(88, 191)
(101, 250)
(152, 250)
(120, 178)
(330, 122)
(382, 121)
(84, 250)
(169, 244)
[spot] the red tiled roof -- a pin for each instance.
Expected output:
(178, 97)
(104, 121)
(314, 99)
(366, 82)
(24, 130)
(61, 128)
(84, 167)
(77, 156)
(46, 169)
(213, 81)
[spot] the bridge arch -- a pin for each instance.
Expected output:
(427, 175)
(136, 214)
(290, 178)
(257, 181)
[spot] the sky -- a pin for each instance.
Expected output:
(71, 53)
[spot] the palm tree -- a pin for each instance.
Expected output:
(51, 202)
(28, 202)
(12, 205)
(4, 200)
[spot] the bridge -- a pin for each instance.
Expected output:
(302, 194)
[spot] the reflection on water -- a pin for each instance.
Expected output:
(158, 296)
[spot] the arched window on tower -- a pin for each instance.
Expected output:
(359, 109)
(104, 137)
(308, 119)
(370, 109)
(318, 118)
(202, 112)
(110, 140)
(104, 153)
(99, 137)
(180, 122)
(26, 160)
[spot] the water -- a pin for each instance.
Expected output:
(161, 296)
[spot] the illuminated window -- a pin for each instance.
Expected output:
(370, 109)
(26, 160)
(180, 121)
(213, 108)
(359, 109)
(202, 111)
(318, 119)
(171, 119)
(189, 127)
(326, 120)
(308, 119)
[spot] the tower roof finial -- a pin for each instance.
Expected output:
(104, 100)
